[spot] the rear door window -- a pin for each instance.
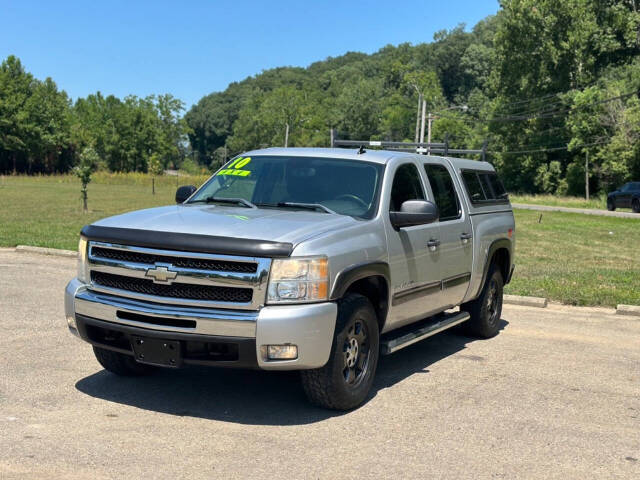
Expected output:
(444, 192)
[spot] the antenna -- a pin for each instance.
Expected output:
(361, 150)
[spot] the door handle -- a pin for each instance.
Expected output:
(465, 237)
(433, 244)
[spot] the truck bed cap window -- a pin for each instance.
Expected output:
(484, 187)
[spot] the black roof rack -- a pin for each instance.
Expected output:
(413, 147)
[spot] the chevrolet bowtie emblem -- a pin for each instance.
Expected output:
(161, 275)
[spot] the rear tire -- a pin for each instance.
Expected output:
(635, 205)
(121, 364)
(344, 382)
(486, 310)
(611, 204)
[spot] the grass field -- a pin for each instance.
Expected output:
(577, 259)
(599, 202)
(47, 211)
(572, 258)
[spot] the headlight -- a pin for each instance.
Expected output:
(296, 280)
(83, 268)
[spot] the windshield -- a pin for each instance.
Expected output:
(346, 187)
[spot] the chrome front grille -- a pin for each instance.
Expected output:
(174, 277)
(176, 290)
(184, 262)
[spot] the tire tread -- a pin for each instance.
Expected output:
(320, 384)
(477, 325)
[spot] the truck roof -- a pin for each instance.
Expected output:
(374, 156)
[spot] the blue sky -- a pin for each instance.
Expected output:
(192, 48)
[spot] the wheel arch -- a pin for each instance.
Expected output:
(368, 279)
(499, 252)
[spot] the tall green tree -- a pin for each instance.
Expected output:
(127, 132)
(16, 87)
(267, 117)
(34, 121)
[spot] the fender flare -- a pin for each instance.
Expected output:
(350, 275)
(493, 248)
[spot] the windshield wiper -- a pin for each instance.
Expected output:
(309, 206)
(235, 201)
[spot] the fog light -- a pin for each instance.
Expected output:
(282, 352)
(71, 321)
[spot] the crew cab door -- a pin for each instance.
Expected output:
(414, 266)
(456, 242)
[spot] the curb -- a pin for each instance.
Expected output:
(631, 310)
(538, 302)
(46, 251)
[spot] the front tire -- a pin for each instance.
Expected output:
(611, 204)
(344, 382)
(635, 205)
(121, 364)
(486, 310)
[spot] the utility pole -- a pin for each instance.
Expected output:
(586, 175)
(424, 111)
(430, 121)
(332, 136)
(418, 118)
(286, 136)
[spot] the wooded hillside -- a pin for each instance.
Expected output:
(543, 82)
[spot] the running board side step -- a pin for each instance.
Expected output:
(407, 336)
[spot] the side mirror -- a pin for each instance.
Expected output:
(414, 212)
(184, 192)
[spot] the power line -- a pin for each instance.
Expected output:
(543, 114)
(539, 132)
(539, 109)
(529, 100)
(550, 95)
(551, 149)
(562, 112)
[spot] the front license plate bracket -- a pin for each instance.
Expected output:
(154, 351)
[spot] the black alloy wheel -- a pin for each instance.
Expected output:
(356, 350)
(494, 303)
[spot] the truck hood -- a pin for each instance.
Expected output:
(280, 225)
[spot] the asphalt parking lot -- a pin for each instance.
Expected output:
(555, 395)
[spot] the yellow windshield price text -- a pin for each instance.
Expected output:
(235, 168)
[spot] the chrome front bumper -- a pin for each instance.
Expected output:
(309, 326)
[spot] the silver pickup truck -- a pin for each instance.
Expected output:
(316, 260)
